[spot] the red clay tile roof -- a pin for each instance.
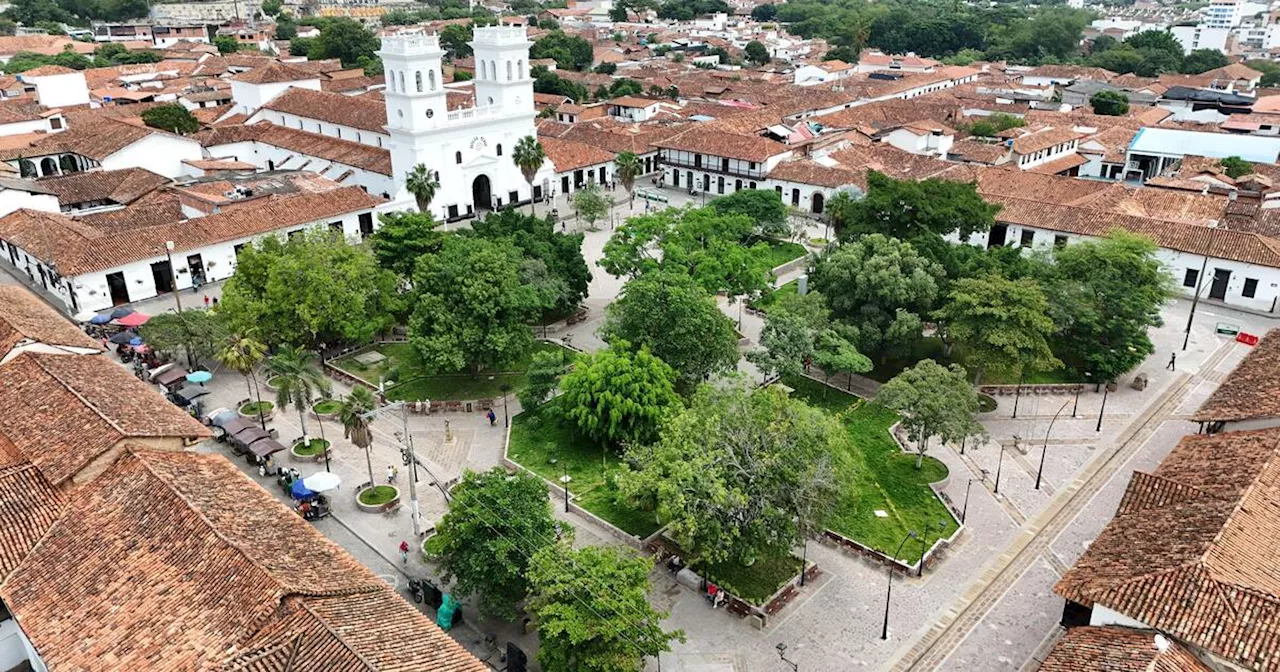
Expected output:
(568, 155)
(719, 143)
(47, 71)
(1251, 390)
(1191, 549)
(22, 109)
(25, 318)
(82, 245)
(805, 171)
(354, 154)
(1060, 165)
(1117, 649)
(97, 139)
(978, 152)
(64, 411)
(1034, 142)
(334, 108)
(273, 72)
(179, 561)
(119, 186)
(29, 506)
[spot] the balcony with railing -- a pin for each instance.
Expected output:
(411, 44)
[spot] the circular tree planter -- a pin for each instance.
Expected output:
(250, 410)
(378, 499)
(326, 409)
(310, 452)
(273, 383)
(986, 403)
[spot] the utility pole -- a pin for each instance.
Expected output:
(1194, 300)
(173, 276)
(407, 439)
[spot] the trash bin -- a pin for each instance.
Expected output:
(444, 615)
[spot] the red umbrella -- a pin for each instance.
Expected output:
(133, 320)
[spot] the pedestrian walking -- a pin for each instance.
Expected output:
(206, 301)
(391, 473)
(493, 418)
(1173, 362)
(404, 551)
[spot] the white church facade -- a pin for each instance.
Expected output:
(468, 149)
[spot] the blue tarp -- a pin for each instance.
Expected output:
(100, 319)
(300, 491)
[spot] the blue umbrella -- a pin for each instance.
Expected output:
(200, 377)
(100, 319)
(135, 341)
(121, 312)
(300, 491)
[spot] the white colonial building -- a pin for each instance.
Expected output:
(468, 149)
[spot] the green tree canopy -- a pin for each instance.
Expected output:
(1235, 167)
(569, 51)
(495, 523)
(456, 40)
(740, 474)
(1109, 103)
(545, 371)
(199, 333)
(592, 204)
(403, 238)
(618, 396)
(763, 206)
(171, 117)
(226, 44)
(537, 238)
(906, 209)
(1106, 295)
(592, 610)
(471, 309)
(346, 40)
(313, 289)
(934, 400)
(1002, 324)
(1203, 60)
(879, 286)
(677, 320)
(756, 52)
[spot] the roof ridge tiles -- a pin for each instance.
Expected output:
(66, 385)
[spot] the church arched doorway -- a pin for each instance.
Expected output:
(481, 194)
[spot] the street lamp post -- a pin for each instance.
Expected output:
(1017, 395)
(1045, 449)
(565, 479)
(506, 419)
(1102, 410)
(1000, 462)
(964, 512)
(924, 542)
(1076, 406)
(1194, 300)
(782, 653)
(884, 632)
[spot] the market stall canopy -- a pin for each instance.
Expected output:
(249, 435)
(299, 490)
(123, 338)
(322, 481)
(265, 447)
(192, 392)
(85, 316)
(225, 418)
(199, 377)
(133, 320)
(100, 319)
(121, 312)
(170, 376)
(234, 424)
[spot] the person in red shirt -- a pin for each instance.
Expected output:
(404, 552)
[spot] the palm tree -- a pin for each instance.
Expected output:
(529, 157)
(298, 381)
(355, 422)
(627, 168)
(242, 354)
(422, 183)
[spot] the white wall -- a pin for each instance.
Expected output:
(16, 199)
(159, 152)
(219, 262)
(249, 97)
(267, 157)
(1266, 296)
(1104, 616)
(32, 126)
(340, 131)
(61, 90)
(1199, 37)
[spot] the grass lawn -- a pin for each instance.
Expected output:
(771, 297)
(876, 475)
(314, 447)
(780, 252)
(378, 494)
(549, 447)
(756, 583)
(254, 407)
(327, 407)
(415, 384)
